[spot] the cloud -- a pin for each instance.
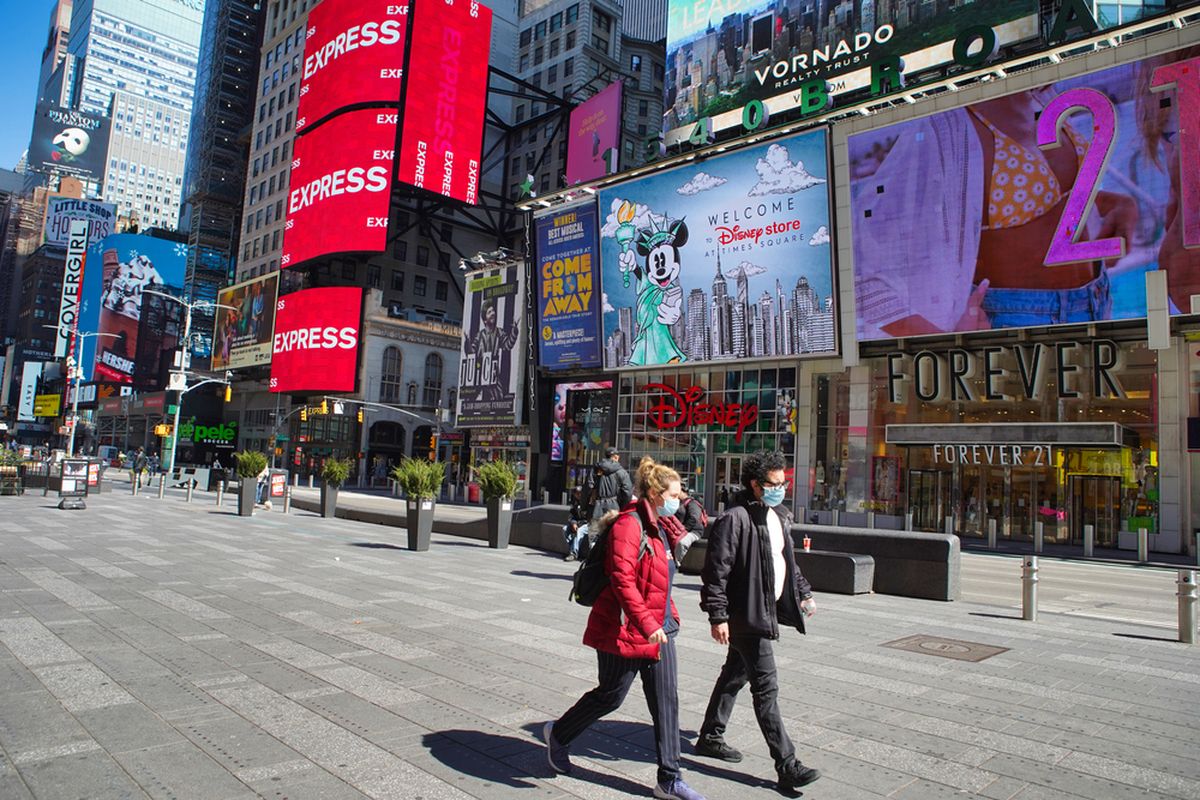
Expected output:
(747, 269)
(641, 218)
(820, 237)
(701, 183)
(778, 175)
(606, 306)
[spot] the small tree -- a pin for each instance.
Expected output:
(497, 479)
(250, 463)
(335, 471)
(419, 478)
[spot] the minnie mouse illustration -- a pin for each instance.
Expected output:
(659, 294)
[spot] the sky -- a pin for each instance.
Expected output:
(22, 37)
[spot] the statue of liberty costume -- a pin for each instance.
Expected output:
(654, 343)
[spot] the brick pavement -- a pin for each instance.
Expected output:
(150, 648)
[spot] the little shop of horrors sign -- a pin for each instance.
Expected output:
(1007, 372)
(672, 408)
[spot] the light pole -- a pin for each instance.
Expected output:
(74, 378)
(179, 377)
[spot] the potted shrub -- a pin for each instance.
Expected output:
(420, 480)
(333, 474)
(249, 465)
(498, 482)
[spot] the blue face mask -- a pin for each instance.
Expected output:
(774, 496)
(669, 507)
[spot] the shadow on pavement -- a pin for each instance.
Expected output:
(467, 543)
(524, 573)
(378, 546)
(993, 616)
(1143, 637)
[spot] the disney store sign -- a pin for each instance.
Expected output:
(684, 409)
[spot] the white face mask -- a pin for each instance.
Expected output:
(669, 507)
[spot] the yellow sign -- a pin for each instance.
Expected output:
(162, 430)
(47, 405)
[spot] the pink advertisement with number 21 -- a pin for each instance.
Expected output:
(1044, 207)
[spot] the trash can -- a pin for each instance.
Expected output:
(472, 492)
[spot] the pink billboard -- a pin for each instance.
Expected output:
(594, 134)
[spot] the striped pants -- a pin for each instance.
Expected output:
(661, 686)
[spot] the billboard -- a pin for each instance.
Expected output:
(31, 374)
(139, 332)
(315, 348)
(47, 405)
(582, 412)
(491, 366)
(671, 243)
(594, 136)
(353, 54)
(243, 332)
(101, 218)
(446, 96)
(73, 142)
(568, 294)
(340, 188)
(1041, 207)
(72, 286)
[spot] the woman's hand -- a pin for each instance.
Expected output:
(658, 637)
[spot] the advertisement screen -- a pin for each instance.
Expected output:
(31, 373)
(316, 340)
(340, 187)
(243, 332)
(446, 96)
(568, 295)
(491, 367)
(68, 141)
(581, 415)
(672, 243)
(139, 332)
(1042, 207)
(594, 136)
(60, 211)
(353, 53)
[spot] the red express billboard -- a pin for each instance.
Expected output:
(316, 340)
(340, 187)
(446, 97)
(353, 54)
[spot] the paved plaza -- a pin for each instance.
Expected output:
(151, 648)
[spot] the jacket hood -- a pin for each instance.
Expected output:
(608, 466)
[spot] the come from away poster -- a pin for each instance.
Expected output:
(568, 299)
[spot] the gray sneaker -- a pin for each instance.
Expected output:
(676, 790)
(558, 755)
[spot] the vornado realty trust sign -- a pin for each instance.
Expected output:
(68, 307)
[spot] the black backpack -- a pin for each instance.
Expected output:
(591, 577)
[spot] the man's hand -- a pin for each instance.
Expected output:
(658, 637)
(808, 606)
(720, 633)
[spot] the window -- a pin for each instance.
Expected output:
(602, 21)
(539, 55)
(635, 62)
(524, 63)
(568, 67)
(556, 22)
(443, 260)
(419, 286)
(389, 376)
(552, 74)
(521, 113)
(570, 43)
(643, 107)
(441, 291)
(539, 30)
(600, 43)
(554, 48)
(433, 381)
(374, 276)
(526, 37)
(422, 255)
(572, 13)
(445, 233)
(400, 250)
(397, 281)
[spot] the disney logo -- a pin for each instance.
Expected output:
(675, 410)
(737, 233)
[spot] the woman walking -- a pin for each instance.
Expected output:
(632, 625)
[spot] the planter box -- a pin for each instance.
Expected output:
(329, 495)
(246, 497)
(420, 524)
(500, 513)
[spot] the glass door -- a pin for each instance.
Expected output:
(1096, 500)
(728, 479)
(928, 491)
(971, 503)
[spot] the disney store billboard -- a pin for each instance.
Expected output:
(728, 259)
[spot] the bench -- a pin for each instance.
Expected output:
(840, 573)
(907, 563)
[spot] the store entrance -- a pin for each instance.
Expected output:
(1096, 500)
(728, 479)
(928, 498)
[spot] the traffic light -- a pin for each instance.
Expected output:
(362, 415)
(324, 407)
(304, 414)
(228, 393)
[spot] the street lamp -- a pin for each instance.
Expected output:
(75, 376)
(179, 378)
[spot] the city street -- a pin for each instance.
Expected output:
(151, 648)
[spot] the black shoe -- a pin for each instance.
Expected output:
(717, 748)
(795, 775)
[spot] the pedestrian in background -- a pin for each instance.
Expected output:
(694, 518)
(140, 462)
(576, 529)
(609, 487)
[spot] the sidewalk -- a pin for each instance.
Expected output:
(150, 648)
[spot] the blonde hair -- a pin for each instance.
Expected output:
(654, 477)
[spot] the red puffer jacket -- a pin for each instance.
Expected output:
(634, 604)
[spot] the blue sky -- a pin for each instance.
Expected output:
(22, 37)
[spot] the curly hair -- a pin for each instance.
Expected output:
(755, 467)
(653, 477)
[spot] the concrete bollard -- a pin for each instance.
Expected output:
(191, 485)
(991, 533)
(162, 486)
(545, 497)
(1143, 545)
(1187, 605)
(287, 499)
(1089, 540)
(908, 521)
(566, 501)
(720, 508)
(310, 481)
(1039, 536)
(949, 526)
(295, 479)
(835, 517)
(136, 484)
(220, 494)
(870, 519)
(1029, 582)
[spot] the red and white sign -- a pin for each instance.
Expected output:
(353, 53)
(340, 187)
(446, 97)
(316, 340)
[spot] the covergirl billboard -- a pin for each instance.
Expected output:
(727, 259)
(353, 54)
(340, 187)
(445, 97)
(1043, 207)
(315, 348)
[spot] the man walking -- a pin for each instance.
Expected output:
(752, 585)
(611, 489)
(140, 462)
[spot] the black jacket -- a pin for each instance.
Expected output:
(738, 571)
(611, 489)
(690, 513)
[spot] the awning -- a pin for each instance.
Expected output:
(1061, 434)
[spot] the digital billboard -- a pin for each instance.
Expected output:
(491, 366)
(139, 332)
(1042, 207)
(671, 243)
(568, 293)
(340, 187)
(315, 348)
(582, 412)
(73, 142)
(244, 325)
(594, 136)
(445, 98)
(353, 54)
(101, 218)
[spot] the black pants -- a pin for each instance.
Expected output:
(750, 660)
(659, 682)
